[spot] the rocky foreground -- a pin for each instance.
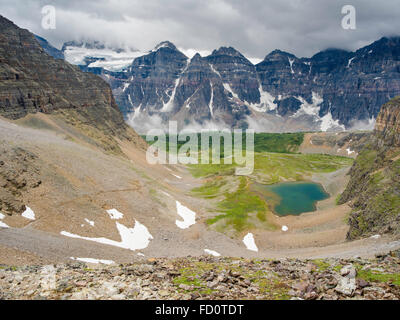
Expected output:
(208, 278)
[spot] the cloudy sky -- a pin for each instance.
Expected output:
(254, 27)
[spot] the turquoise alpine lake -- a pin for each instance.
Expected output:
(292, 198)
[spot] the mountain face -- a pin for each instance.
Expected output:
(153, 79)
(333, 90)
(32, 81)
(374, 187)
(81, 105)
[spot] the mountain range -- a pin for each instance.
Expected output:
(333, 90)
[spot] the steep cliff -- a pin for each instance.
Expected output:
(32, 81)
(374, 187)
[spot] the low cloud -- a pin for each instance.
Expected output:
(254, 27)
(362, 125)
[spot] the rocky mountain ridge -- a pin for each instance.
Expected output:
(33, 81)
(374, 187)
(333, 90)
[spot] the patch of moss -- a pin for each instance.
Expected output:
(270, 284)
(376, 276)
(191, 275)
(273, 288)
(321, 265)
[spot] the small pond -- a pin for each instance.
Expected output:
(292, 198)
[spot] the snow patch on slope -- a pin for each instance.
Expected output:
(135, 238)
(229, 89)
(28, 214)
(188, 216)
(2, 224)
(94, 261)
(167, 107)
(249, 242)
(291, 65)
(125, 86)
(115, 214)
(349, 151)
(266, 102)
(327, 123)
(90, 222)
(350, 61)
(311, 109)
(210, 106)
(212, 252)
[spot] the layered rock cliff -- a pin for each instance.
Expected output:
(32, 81)
(374, 187)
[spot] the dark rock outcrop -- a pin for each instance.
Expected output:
(237, 72)
(18, 173)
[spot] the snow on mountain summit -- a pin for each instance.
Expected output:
(95, 54)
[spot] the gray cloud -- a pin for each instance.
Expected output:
(254, 27)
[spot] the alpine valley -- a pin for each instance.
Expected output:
(85, 215)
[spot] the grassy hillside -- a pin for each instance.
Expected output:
(374, 189)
